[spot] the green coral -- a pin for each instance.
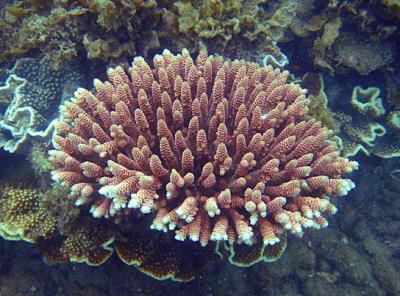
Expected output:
(391, 8)
(55, 33)
(282, 17)
(60, 29)
(38, 157)
(367, 129)
(358, 135)
(223, 21)
(361, 131)
(209, 18)
(393, 119)
(388, 147)
(34, 89)
(98, 48)
(319, 108)
(321, 44)
(113, 29)
(367, 101)
(23, 216)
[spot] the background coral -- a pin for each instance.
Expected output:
(366, 126)
(110, 30)
(63, 235)
(33, 90)
(363, 56)
(115, 30)
(319, 109)
(22, 214)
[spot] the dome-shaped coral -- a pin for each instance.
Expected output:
(216, 150)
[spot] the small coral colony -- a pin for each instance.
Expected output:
(181, 157)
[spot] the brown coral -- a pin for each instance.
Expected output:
(23, 215)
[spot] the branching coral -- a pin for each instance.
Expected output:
(218, 150)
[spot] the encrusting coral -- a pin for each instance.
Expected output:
(86, 242)
(361, 55)
(112, 30)
(366, 127)
(63, 235)
(34, 89)
(360, 132)
(22, 215)
(217, 150)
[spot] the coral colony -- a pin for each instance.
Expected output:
(215, 150)
(181, 157)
